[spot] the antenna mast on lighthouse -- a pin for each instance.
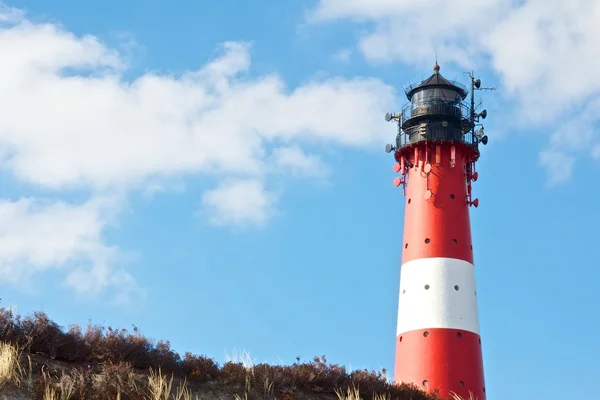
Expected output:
(438, 344)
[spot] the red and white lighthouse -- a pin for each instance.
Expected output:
(438, 343)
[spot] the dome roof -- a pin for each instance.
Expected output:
(437, 80)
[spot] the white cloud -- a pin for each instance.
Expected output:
(556, 53)
(362, 11)
(71, 119)
(342, 55)
(10, 14)
(239, 203)
(544, 51)
(39, 236)
(411, 31)
(246, 202)
(97, 130)
(576, 134)
(296, 161)
(558, 164)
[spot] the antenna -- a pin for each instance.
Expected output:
(476, 85)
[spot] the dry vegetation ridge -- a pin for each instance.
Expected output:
(40, 360)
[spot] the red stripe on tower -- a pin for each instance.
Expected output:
(438, 344)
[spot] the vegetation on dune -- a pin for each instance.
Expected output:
(106, 363)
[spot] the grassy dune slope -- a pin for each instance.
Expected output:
(40, 360)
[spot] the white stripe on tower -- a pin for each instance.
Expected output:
(438, 293)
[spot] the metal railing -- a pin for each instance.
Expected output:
(435, 132)
(456, 110)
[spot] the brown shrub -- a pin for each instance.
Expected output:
(233, 373)
(284, 377)
(162, 354)
(199, 368)
(80, 350)
(10, 327)
(119, 346)
(40, 333)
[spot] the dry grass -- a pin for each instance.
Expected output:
(353, 393)
(184, 393)
(160, 387)
(454, 396)
(50, 393)
(11, 371)
(382, 396)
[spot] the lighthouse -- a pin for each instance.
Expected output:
(438, 342)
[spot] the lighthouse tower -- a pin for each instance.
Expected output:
(438, 344)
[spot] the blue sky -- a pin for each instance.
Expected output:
(237, 196)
